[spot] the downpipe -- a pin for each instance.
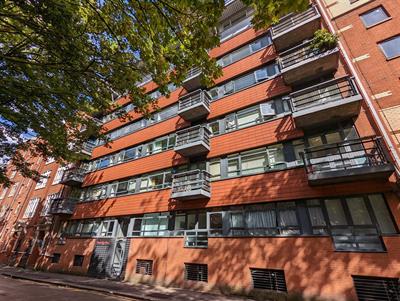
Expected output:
(363, 91)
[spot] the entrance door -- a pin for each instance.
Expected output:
(120, 246)
(118, 258)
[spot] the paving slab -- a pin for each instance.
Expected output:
(123, 289)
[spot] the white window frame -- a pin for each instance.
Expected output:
(49, 160)
(13, 189)
(49, 200)
(3, 193)
(59, 174)
(44, 177)
(31, 208)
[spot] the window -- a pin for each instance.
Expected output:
(391, 47)
(382, 214)
(43, 180)
(287, 220)
(113, 115)
(215, 223)
(377, 288)
(374, 16)
(152, 224)
(196, 272)
(13, 189)
(144, 267)
(157, 181)
(164, 114)
(244, 81)
(49, 200)
(250, 116)
(149, 182)
(31, 208)
(215, 169)
(125, 187)
(3, 193)
(354, 223)
(49, 160)
(59, 175)
(152, 147)
(269, 279)
(255, 161)
(317, 218)
(107, 228)
(351, 224)
(55, 258)
(78, 260)
(261, 220)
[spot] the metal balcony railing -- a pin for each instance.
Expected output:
(193, 99)
(326, 92)
(236, 28)
(196, 239)
(73, 176)
(300, 53)
(195, 71)
(193, 183)
(87, 147)
(291, 20)
(346, 155)
(198, 133)
(62, 206)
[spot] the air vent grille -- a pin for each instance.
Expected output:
(144, 267)
(269, 279)
(377, 288)
(196, 272)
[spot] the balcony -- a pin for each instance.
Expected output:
(62, 206)
(194, 106)
(302, 63)
(236, 28)
(193, 141)
(351, 160)
(73, 177)
(331, 101)
(192, 80)
(295, 28)
(87, 148)
(193, 184)
(231, 7)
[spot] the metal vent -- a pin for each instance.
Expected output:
(377, 288)
(144, 267)
(196, 272)
(269, 279)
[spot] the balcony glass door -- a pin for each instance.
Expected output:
(330, 151)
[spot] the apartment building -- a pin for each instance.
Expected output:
(282, 178)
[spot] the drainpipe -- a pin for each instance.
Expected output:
(363, 91)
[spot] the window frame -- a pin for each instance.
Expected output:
(388, 17)
(384, 51)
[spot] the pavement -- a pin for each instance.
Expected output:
(25, 290)
(112, 288)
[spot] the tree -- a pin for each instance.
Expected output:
(60, 60)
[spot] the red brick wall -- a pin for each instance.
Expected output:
(376, 72)
(311, 265)
(73, 246)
